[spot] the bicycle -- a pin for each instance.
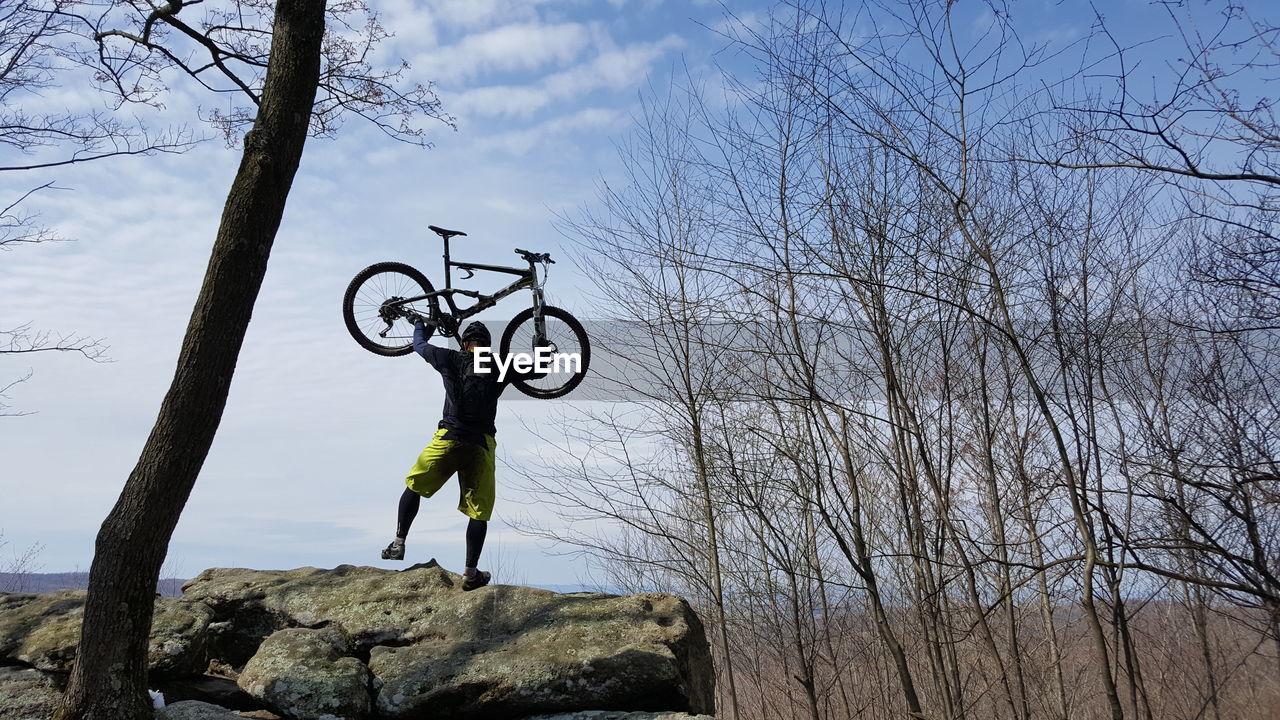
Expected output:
(380, 299)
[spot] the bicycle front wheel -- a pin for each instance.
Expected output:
(567, 341)
(372, 303)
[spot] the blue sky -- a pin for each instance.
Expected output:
(318, 433)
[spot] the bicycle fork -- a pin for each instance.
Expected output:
(539, 322)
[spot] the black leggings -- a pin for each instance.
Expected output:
(476, 529)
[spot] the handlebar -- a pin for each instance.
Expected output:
(534, 257)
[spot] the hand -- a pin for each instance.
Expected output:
(413, 317)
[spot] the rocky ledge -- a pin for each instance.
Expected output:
(361, 642)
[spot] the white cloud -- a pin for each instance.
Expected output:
(472, 14)
(500, 100)
(520, 142)
(615, 69)
(517, 46)
(413, 25)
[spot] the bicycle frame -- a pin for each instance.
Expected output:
(528, 278)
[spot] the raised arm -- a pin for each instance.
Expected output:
(438, 357)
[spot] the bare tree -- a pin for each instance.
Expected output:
(300, 65)
(34, 38)
(1208, 129)
(986, 453)
(19, 566)
(24, 340)
(1208, 133)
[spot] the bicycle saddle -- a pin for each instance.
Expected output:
(446, 234)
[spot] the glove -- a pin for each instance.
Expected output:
(413, 317)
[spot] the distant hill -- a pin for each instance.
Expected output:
(169, 587)
(48, 582)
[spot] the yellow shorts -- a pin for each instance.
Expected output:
(475, 466)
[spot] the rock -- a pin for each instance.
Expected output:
(44, 630)
(357, 642)
(41, 630)
(27, 694)
(309, 674)
(178, 637)
(499, 651)
(570, 653)
(374, 606)
(195, 710)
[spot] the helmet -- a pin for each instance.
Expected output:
(477, 333)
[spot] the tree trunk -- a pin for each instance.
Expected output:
(109, 680)
(860, 560)
(713, 552)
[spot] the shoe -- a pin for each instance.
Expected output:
(477, 579)
(394, 551)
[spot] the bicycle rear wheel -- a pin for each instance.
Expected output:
(369, 307)
(565, 337)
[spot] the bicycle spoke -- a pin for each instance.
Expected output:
(366, 314)
(564, 341)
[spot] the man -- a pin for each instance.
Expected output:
(464, 443)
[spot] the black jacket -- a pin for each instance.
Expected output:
(470, 398)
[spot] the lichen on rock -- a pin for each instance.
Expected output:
(359, 642)
(309, 674)
(43, 631)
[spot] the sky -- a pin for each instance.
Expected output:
(309, 460)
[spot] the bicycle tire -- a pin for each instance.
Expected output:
(584, 348)
(361, 307)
